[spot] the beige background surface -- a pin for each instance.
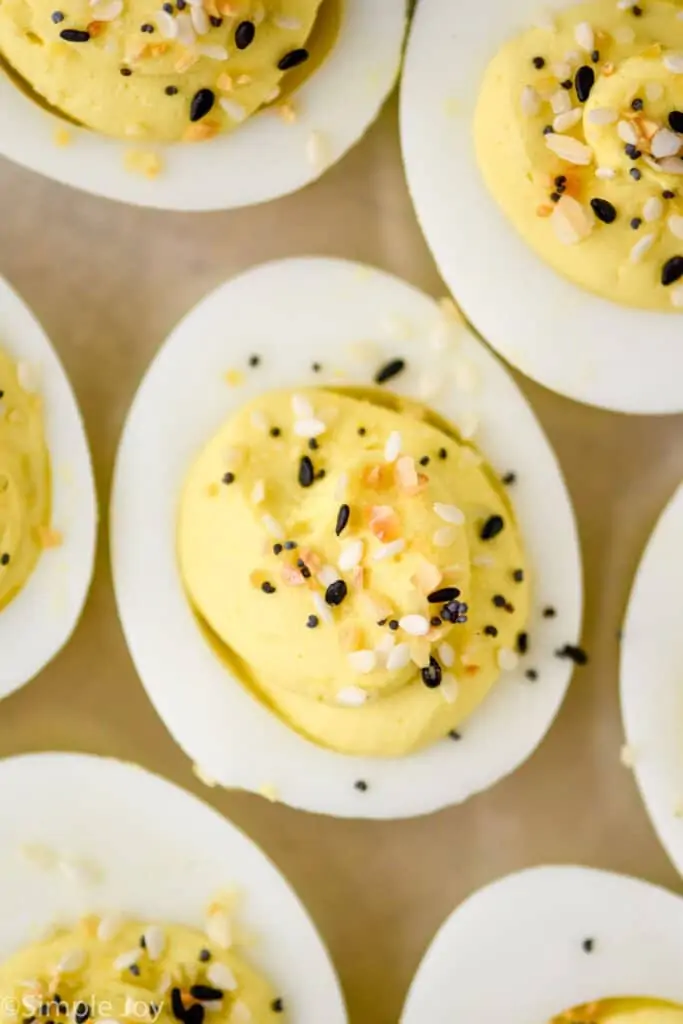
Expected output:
(108, 283)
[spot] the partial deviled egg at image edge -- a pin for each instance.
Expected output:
(48, 504)
(543, 156)
(254, 555)
(552, 945)
(203, 108)
(651, 701)
(133, 917)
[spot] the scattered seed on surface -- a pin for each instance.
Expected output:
(244, 34)
(492, 527)
(342, 519)
(306, 472)
(362, 787)
(202, 104)
(572, 653)
(336, 592)
(74, 35)
(293, 59)
(390, 370)
(443, 595)
(584, 82)
(604, 210)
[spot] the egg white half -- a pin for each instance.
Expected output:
(263, 159)
(40, 620)
(571, 341)
(84, 834)
(514, 951)
(652, 679)
(293, 313)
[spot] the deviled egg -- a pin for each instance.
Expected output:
(558, 140)
(48, 507)
(651, 692)
(201, 104)
(343, 593)
(114, 912)
(555, 945)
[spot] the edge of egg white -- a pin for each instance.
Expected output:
(126, 841)
(650, 679)
(335, 108)
(327, 305)
(41, 619)
(514, 950)
(573, 342)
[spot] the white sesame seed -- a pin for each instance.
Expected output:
(200, 20)
(675, 225)
(218, 929)
(562, 70)
(258, 492)
(302, 408)
(386, 644)
(309, 428)
(626, 5)
(240, 1013)
(449, 688)
(233, 109)
(570, 221)
(286, 23)
(642, 246)
(585, 36)
(351, 555)
(602, 115)
(352, 696)
(155, 941)
(340, 486)
(627, 133)
(185, 30)
(565, 122)
(71, 962)
(414, 625)
(322, 608)
(484, 561)
(446, 655)
(273, 527)
(362, 662)
(508, 660)
(398, 658)
(395, 547)
(128, 959)
(444, 537)
(569, 149)
(214, 52)
(670, 165)
(107, 11)
(673, 62)
(220, 976)
(605, 173)
(327, 576)
(561, 102)
(653, 209)
(665, 143)
(109, 927)
(677, 297)
(449, 513)
(318, 151)
(654, 91)
(392, 448)
(530, 101)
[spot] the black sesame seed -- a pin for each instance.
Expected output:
(215, 20)
(275, 432)
(424, 461)
(204, 956)
(637, 11)
(134, 970)
(313, 444)
(171, 90)
(595, 56)
(143, 942)
(293, 59)
(443, 595)
(57, 16)
(312, 621)
(393, 625)
(244, 34)
(492, 527)
(637, 103)
(277, 1006)
(435, 621)
(181, 4)
(206, 993)
(672, 271)
(362, 431)
(635, 174)
(584, 81)
(290, 545)
(531, 674)
(432, 674)
(361, 786)
(567, 84)
(571, 653)
(254, 360)
(126, 72)
(316, 367)
(75, 35)
(336, 592)
(555, 197)
(454, 735)
(538, 63)
(490, 631)
(499, 601)
(509, 479)
(518, 575)
(548, 130)
(168, 8)
(147, 28)
(668, 194)
(306, 472)
(342, 519)
(604, 210)
(277, 549)
(676, 120)
(636, 222)
(202, 104)
(177, 1006)
(522, 643)
(267, 588)
(390, 370)
(320, 475)
(549, 612)
(588, 945)
(443, 454)
(81, 1012)
(228, 478)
